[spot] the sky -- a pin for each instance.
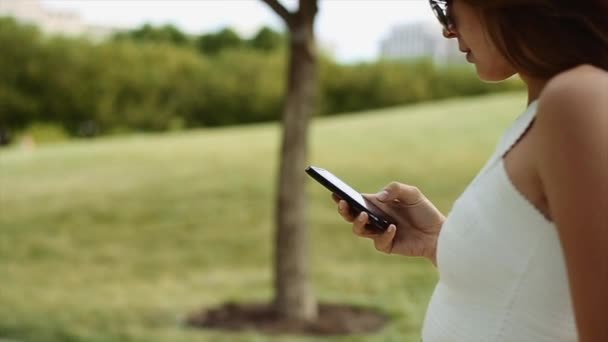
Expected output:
(351, 29)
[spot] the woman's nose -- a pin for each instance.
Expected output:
(450, 32)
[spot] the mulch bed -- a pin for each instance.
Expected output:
(334, 319)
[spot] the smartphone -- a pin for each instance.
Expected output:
(377, 219)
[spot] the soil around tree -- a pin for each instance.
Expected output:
(334, 319)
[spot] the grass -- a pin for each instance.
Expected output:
(118, 239)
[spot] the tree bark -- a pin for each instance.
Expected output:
(294, 297)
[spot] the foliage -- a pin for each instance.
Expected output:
(347, 88)
(213, 43)
(166, 33)
(267, 40)
(157, 79)
(20, 68)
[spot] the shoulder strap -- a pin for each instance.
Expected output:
(510, 137)
(517, 130)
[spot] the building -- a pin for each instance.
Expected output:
(51, 21)
(421, 39)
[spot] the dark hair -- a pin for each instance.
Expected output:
(544, 37)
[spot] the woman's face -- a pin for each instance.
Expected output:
(473, 39)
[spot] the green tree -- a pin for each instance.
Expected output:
(212, 43)
(19, 71)
(266, 39)
(167, 33)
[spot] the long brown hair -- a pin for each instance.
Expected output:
(545, 37)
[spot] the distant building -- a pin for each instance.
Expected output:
(52, 21)
(422, 39)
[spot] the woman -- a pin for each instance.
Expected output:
(523, 255)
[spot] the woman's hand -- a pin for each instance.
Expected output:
(417, 220)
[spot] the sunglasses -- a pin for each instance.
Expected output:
(440, 8)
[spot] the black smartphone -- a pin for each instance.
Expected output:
(377, 219)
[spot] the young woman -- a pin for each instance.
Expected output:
(523, 254)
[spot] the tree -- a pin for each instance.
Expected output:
(267, 39)
(19, 81)
(294, 297)
(147, 32)
(213, 43)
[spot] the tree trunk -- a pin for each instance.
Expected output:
(294, 297)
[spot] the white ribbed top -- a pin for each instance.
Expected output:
(502, 275)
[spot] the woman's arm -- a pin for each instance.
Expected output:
(572, 127)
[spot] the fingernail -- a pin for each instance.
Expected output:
(382, 195)
(361, 218)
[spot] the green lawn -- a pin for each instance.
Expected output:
(118, 239)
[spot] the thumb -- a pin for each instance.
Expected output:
(406, 194)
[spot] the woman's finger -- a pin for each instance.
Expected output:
(335, 197)
(384, 242)
(359, 224)
(344, 211)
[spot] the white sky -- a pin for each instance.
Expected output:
(352, 29)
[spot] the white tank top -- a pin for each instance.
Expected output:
(502, 274)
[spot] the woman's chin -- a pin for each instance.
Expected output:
(493, 75)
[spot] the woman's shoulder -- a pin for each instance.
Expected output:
(572, 114)
(580, 93)
(587, 71)
(581, 85)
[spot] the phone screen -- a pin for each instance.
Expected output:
(342, 189)
(354, 194)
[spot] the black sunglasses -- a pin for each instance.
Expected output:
(440, 8)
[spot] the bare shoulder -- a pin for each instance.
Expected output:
(575, 98)
(572, 119)
(583, 87)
